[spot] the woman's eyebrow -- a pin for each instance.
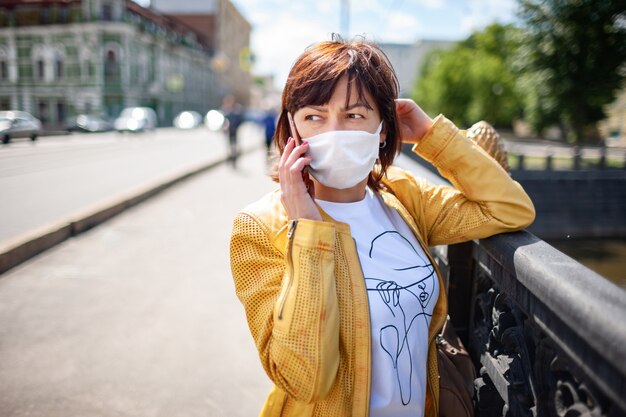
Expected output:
(319, 109)
(355, 105)
(348, 108)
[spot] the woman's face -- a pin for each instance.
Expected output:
(334, 115)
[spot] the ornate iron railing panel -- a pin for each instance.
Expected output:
(547, 334)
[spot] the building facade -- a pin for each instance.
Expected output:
(59, 58)
(229, 33)
(407, 60)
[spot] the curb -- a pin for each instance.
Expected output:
(21, 248)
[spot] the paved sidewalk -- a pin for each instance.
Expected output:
(138, 316)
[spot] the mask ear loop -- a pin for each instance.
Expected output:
(384, 143)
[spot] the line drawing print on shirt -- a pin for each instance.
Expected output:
(400, 300)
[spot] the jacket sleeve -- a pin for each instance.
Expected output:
(484, 201)
(290, 303)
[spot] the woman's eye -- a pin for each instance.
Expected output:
(355, 116)
(312, 117)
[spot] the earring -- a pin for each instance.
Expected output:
(383, 144)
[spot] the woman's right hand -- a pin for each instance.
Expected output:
(295, 196)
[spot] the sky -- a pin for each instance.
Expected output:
(282, 29)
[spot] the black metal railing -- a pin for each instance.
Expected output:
(548, 335)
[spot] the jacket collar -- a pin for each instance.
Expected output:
(280, 237)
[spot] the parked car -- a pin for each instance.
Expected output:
(88, 123)
(215, 120)
(188, 119)
(136, 119)
(18, 124)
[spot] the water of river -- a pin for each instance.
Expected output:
(607, 257)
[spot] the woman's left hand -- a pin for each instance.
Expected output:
(414, 122)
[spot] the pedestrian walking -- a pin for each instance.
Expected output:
(341, 295)
(269, 125)
(233, 115)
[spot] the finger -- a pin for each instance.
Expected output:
(298, 166)
(403, 104)
(286, 152)
(294, 172)
(282, 170)
(298, 152)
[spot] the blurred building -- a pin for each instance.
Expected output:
(227, 31)
(64, 57)
(407, 60)
(264, 95)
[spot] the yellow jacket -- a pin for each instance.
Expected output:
(303, 290)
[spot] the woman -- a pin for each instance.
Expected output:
(341, 295)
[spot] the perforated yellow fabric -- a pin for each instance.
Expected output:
(303, 290)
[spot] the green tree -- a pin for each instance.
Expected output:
(473, 81)
(572, 61)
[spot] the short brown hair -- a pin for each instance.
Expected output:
(315, 74)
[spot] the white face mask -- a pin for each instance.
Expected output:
(342, 158)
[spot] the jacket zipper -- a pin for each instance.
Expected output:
(292, 228)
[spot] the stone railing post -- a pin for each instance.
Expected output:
(602, 162)
(577, 156)
(549, 160)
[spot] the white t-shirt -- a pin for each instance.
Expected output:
(402, 289)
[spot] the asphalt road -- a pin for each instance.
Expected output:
(137, 317)
(45, 181)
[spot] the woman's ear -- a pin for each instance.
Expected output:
(383, 133)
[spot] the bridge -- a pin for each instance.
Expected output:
(123, 318)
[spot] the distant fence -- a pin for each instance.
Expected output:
(559, 157)
(572, 204)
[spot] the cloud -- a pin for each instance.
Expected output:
(279, 44)
(282, 29)
(480, 13)
(398, 27)
(432, 4)
(403, 22)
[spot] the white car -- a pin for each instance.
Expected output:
(136, 119)
(188, 119)
(18, 124)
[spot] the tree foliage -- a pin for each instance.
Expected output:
(474, 80)
(572, 61)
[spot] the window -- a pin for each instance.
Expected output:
(4, 70)
(107, 12)
(111, 66)
(5, 104)
(60, 112)
(44, 15)
(64, 14)
(42, 108)
(58, 67)
(40, 68)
